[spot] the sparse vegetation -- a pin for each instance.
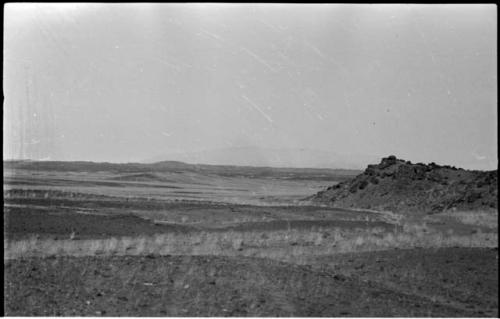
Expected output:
(488, 219)
(122, 242)
(289, 244)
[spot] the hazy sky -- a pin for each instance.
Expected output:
(127, 82)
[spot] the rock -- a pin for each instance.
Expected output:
(399, 185)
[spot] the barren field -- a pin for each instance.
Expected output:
(100, 241)
(229, 286)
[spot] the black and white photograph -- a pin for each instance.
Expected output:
(250, 160)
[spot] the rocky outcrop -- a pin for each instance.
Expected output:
(402, 186)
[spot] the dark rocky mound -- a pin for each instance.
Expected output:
(399, 185)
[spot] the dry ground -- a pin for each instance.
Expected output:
(134, 255)
(229, 286)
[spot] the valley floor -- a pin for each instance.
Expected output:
(82, 251)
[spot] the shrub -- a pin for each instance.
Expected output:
(353, 188)
(363, 184)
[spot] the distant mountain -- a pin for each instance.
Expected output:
(402, 186)
(269, 157)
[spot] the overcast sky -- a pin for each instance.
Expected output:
(122, 82)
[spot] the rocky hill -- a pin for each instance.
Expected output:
(401, 186)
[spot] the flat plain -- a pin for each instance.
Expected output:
(173, 239)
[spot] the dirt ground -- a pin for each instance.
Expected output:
(225, 286)
(464, 278)
(445, 282)
(104, 217)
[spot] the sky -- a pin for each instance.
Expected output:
(127, 82)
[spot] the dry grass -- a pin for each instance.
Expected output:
(475, 218)
(282, 245)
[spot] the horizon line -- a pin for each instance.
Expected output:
(234, 165)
